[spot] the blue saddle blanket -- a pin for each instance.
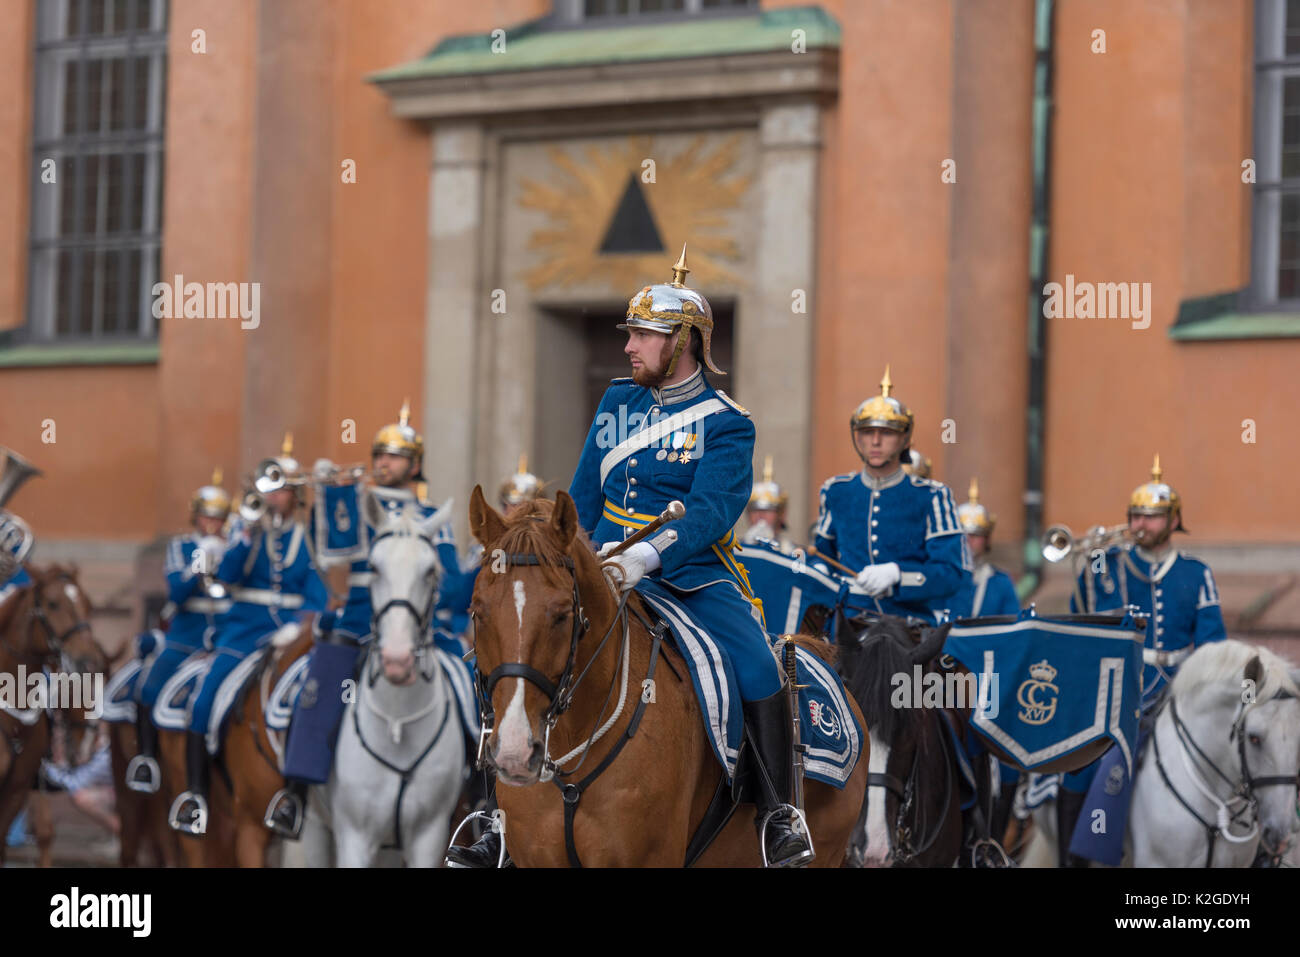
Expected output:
(1051, 686)
(123, 685)
(788, 586)
(828, 726)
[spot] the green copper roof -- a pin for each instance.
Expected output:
(527, 47)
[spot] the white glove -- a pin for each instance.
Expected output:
(607, 548)
(629, 567)
(213, 549)
(877, 580)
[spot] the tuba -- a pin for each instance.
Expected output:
(15, 535)
(1058, 542)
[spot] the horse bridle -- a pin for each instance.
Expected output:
(1244, 791)
(36, 616)
(424, 639)
(559, 693)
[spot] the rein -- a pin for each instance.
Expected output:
(1243, 792)
(560, 694)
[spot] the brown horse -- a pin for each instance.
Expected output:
(252, 753)
(46, 623)
(646, 805)
(245, 775)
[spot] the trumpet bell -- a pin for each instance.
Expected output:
(1057, 543)
(270, 476)
(252, 508)
(17, 470)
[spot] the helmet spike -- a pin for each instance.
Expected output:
(680, 270)
(404, 417)
(1156, 471)
(767, 469)
(523, 463)
(286, 447)
(886, 385)
(216, 476)
(974, 493)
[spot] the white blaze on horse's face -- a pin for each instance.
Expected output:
(878, 851)
(515, 734)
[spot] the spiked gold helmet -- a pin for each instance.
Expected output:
(211, 501)
(975, 519)
(521, 487)
(400, 438)
(767, 493)
(673, 307)
(917, 464)
(1157, 498)
(884, 412)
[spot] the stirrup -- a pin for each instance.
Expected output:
(150, 782)
(798, 825)
(496, 824)
(197, 825)
(285, 798)
(987, 852)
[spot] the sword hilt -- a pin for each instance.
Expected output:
(674, 511)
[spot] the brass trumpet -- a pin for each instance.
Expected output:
(339, 474)
(1059, 543)
(252, 507)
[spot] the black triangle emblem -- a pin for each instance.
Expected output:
(632, 230)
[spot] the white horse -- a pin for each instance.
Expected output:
(400, 761)
(1195, 802)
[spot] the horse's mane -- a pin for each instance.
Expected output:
(884, 650)
(1221, 663)
(528, 532)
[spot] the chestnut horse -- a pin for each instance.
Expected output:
(44, 623)
(252, 755)
(244, 776)
(540, 584)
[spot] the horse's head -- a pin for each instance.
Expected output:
(58, 623)
(877, 660)
(405, 560)
(538, 570)
(1243, 704)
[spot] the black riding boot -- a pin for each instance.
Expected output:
(767, 724)
(486, 851)
(189, 813)
(1002, 811)
(142, 774)
(1068, 806)
(287, 809)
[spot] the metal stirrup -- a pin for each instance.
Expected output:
(496, 824)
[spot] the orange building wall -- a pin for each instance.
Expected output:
(15, 158)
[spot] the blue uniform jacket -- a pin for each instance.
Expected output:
(706, 463)
(192, 612)
(342, 535)
(904, 519)
(269, 590)
(1178, 596)
(988, 591)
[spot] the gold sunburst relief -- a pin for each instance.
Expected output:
(689, 201)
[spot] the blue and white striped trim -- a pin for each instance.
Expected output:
(942, 519)
(708, 666)
(279, 706)
(227, 693)
(119, 702)
(834, 765)
(458, 677)
(1209, 593)
(169, 717)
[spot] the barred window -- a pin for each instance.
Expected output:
(97, 169)
(1275, 259)
(613, 11)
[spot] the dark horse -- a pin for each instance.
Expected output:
(912, 814)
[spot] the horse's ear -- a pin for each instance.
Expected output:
(1254, 672)
(373, 511)
(439, 518)
(485, 522)
(932, 644)
(564, 518)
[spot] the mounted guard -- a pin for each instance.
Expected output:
(1177, 595)
(765, 513)
(900, 530)
(273, 582)
(342, 536)
(990, 590)
(686, 441)
(194, 603)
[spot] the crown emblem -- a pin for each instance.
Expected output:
(1042, 671)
